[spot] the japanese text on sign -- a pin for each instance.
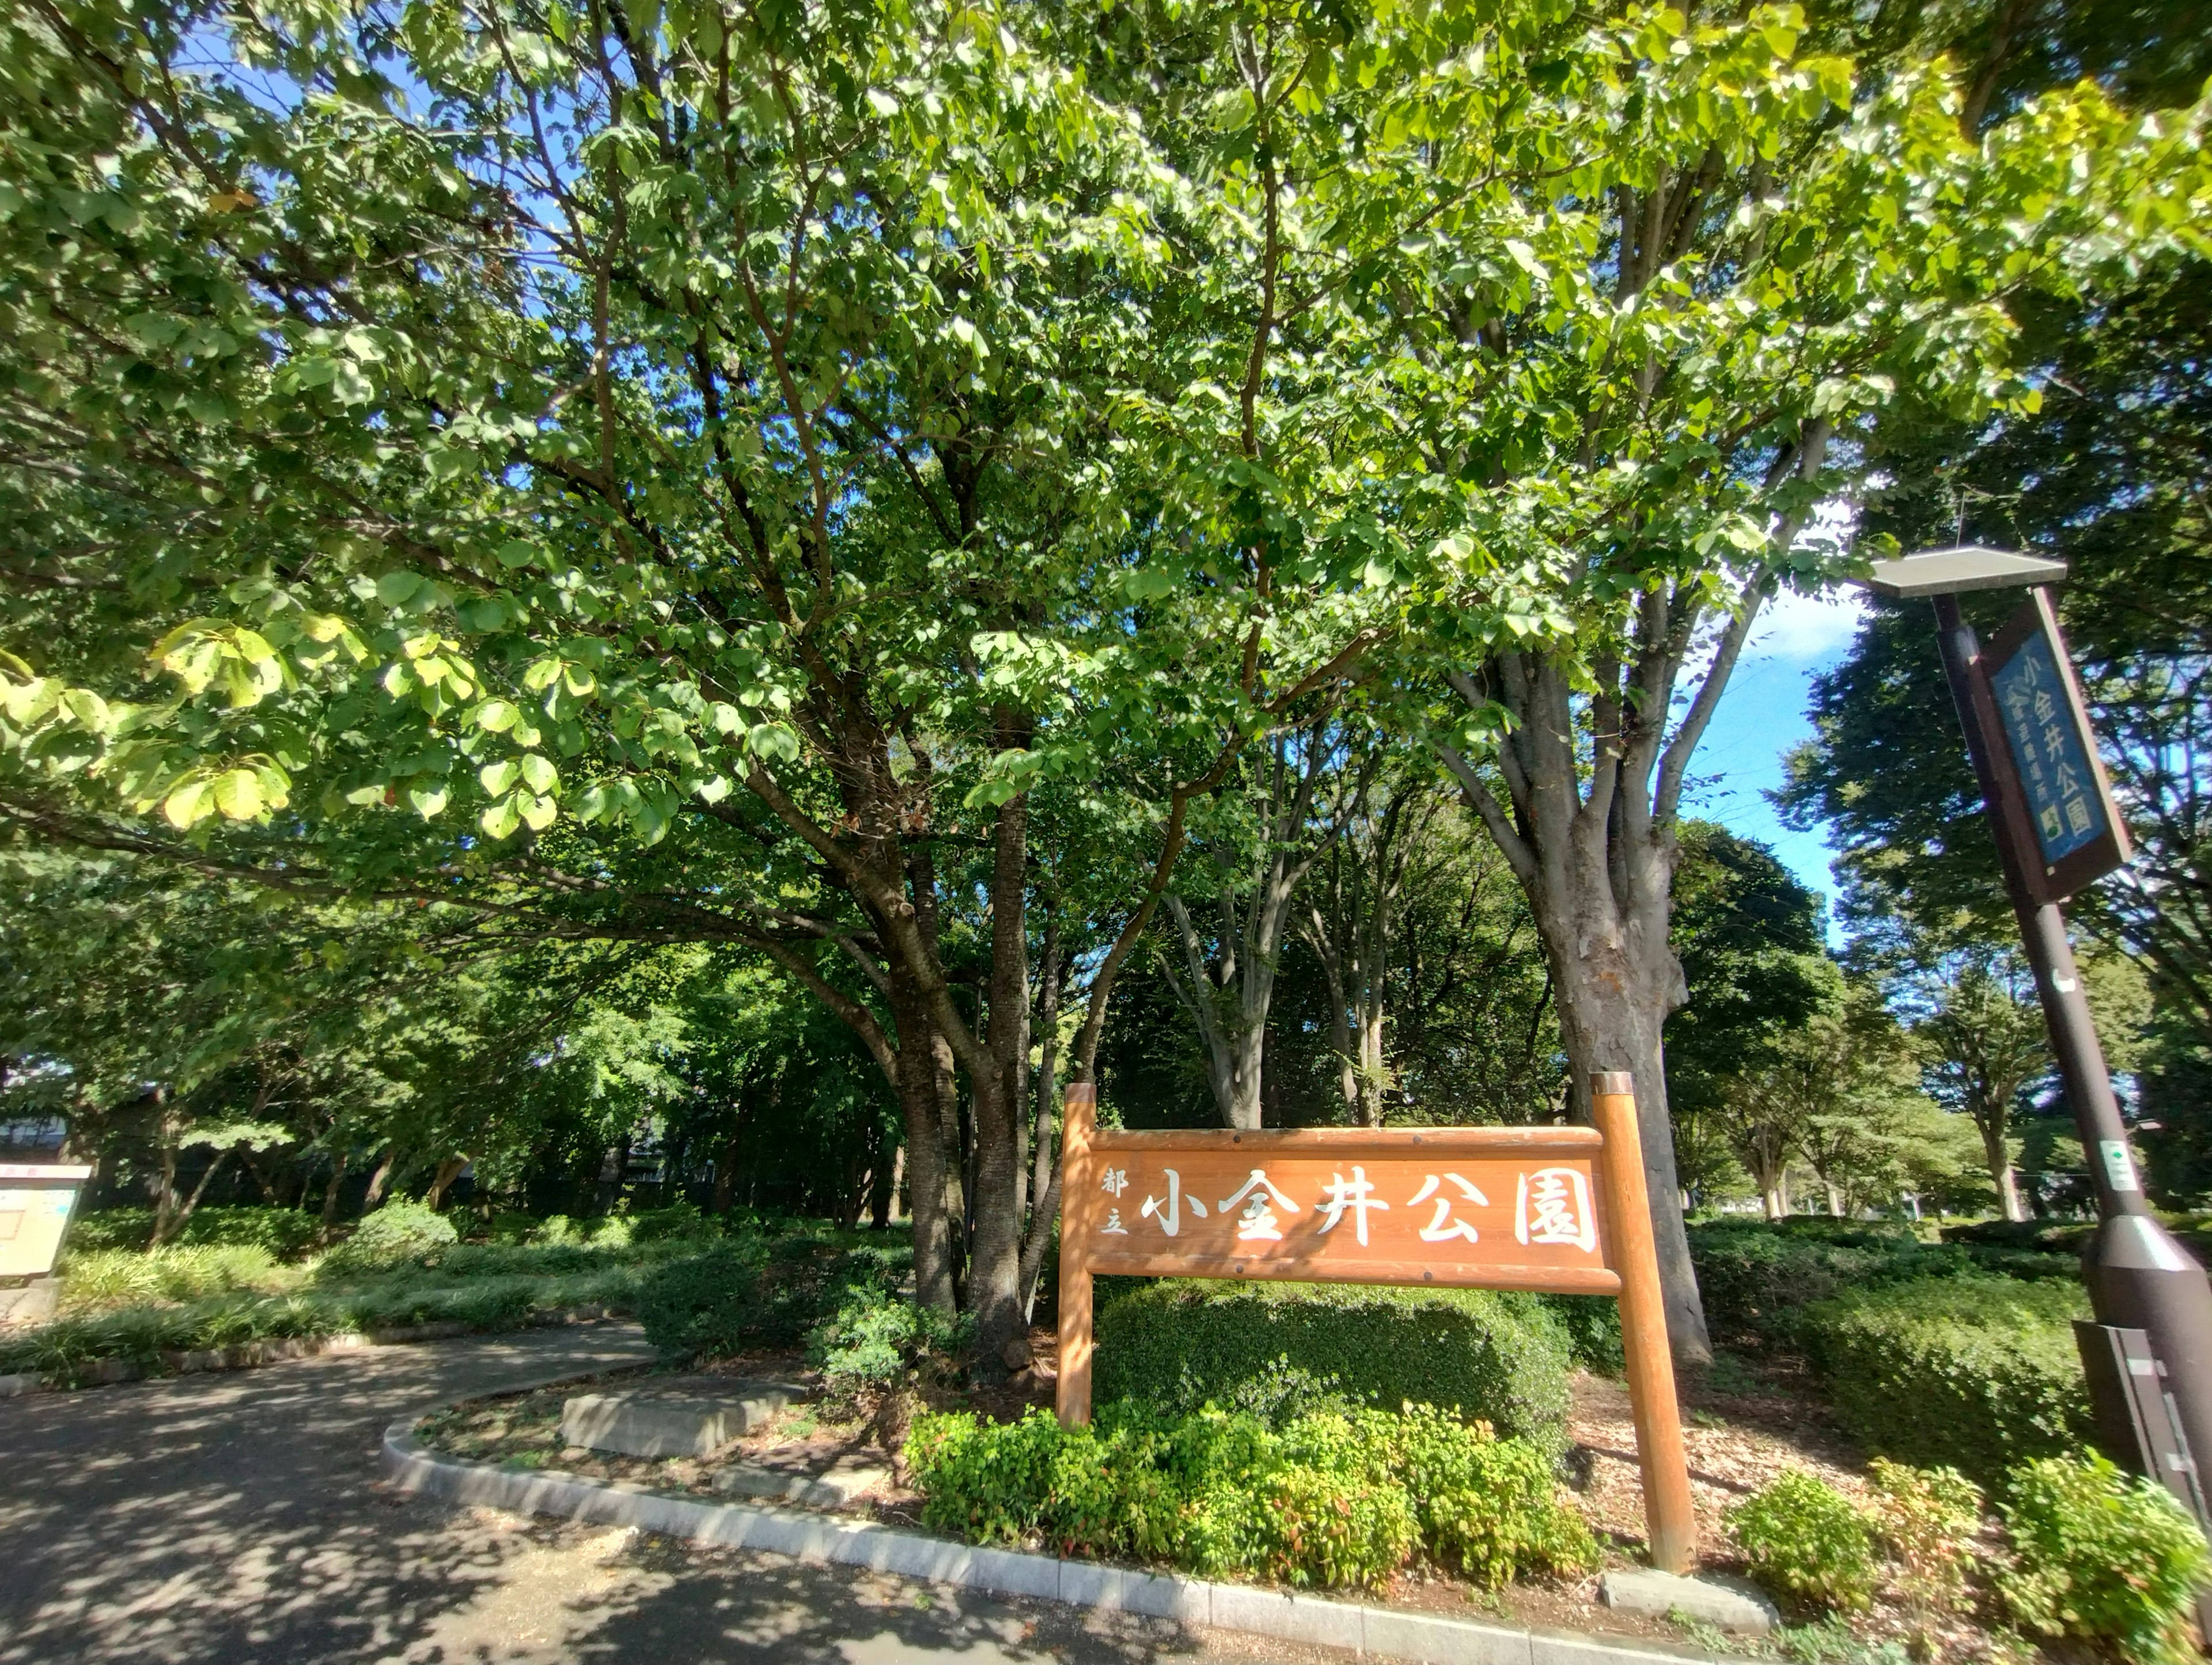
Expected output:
(2048, 750)
(1445, 1214)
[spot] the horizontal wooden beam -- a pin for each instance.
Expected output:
(1558, 1280)
(1346, 1142)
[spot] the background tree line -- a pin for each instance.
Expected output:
(977, 517)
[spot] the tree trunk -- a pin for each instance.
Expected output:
(995, 1295)
(930, 1188)
(330, 1196)
(1997, 1154)
(162, 1235)
(1610, 1012)
(376, 1181)
(449, 1170)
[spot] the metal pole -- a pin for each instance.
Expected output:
(2139, 1277)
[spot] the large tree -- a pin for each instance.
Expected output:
(1674, 270)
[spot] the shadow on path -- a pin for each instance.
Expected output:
(241, 1518)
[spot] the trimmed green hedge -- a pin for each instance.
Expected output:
(1758, 1279)
(1276, 1348)
(1330, 1498)
(1975, 1371)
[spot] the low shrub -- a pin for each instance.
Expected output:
(877, 1337)
(96, 1280)
(679, 1222)
(1802, 1537)
(1590, 1325)
(1488, 1507)
(1273, 1348)
(1975, 1372)
(1333, 1498)
(2103, 1557)
(395, 1235)
(1929, 1519)
(1757, 1277)
(284, 1233)
(745, 1293)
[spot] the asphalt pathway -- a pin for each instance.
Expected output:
(243, 1517)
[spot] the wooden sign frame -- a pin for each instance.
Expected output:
(1593, 1237)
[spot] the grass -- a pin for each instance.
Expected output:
(137, 1306)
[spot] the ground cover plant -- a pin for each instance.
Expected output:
(1329, 1498)
(405, 1266)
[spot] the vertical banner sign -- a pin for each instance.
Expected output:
(2061, 780)
(1536, 1208)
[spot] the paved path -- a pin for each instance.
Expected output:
(241, 1519)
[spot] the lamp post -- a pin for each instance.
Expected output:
(2057, 828)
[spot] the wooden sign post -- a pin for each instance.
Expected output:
(1559, 1209)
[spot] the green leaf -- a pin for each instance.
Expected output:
(189, 804)
(539, 813)
(496, 778)
(396, 589)
(539, 774)
(501, 820)
(496, 716)
(773, 743)
(238, 794)
(428, 801)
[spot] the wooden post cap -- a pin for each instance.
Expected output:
(1613, 1081)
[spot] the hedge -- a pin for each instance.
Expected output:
(1758, 1277)
(1276, 1348)
(1328, 1498)
(1975, 1371)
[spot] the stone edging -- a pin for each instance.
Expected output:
(102, 1372)
(814, 1537)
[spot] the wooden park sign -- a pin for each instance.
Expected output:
(1559, 1209)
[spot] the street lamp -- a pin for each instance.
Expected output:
(2051, 808)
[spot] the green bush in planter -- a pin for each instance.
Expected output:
(1974, 1371)
(2103, 1556)
(1184, 1343)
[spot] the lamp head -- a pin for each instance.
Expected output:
(1956, 570)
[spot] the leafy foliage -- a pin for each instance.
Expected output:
(754, 1291)
(2106, 1557)
(877, 1338)
(1327, 1497)
(283, 1233)
(1974, 1371)
(1804, 1537)
(400, 1231)
(1929, 1519)
(1182, 1344)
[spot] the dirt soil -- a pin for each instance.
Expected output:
(1743, 1428)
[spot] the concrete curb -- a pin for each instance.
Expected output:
(106, 1372)
(811, 1537)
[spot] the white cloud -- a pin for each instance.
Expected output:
(1802, 629)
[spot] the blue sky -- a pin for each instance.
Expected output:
(1761, 715)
